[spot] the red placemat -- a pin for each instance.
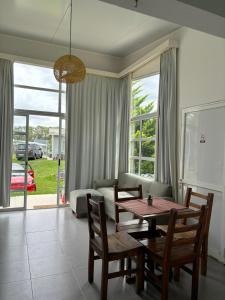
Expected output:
(141, 207)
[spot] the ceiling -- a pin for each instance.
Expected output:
(216, 6)
(97, 26)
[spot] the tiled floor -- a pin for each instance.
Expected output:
(43, 256)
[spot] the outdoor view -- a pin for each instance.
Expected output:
(143, 125)
(39, 139)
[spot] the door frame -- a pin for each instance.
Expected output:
(27, 114)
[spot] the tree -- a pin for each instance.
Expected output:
(141, 105)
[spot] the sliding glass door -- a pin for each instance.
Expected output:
(38, 159)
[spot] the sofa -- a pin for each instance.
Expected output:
(106, 188)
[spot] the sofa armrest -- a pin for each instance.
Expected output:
(105, 183)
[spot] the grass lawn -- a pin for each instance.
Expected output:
(45, 175)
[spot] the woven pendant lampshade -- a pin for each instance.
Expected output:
(69, 68)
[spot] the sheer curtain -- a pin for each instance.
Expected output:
(97, 130)
(166, 166)
(6, 129)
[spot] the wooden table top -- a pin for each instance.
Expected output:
(139, 207)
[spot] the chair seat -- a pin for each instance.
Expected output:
(133, 226)
(119, 242)
(163, 230)
(156, 248)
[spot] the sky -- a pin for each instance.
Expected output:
(36, 76)
(151, 87)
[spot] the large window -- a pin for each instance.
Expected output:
(143, 123)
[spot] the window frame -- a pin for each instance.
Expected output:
(140, 139)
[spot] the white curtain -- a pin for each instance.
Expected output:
(97, 130)
(6, 129)
(166, 166)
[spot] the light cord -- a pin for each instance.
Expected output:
(60, 23)
(71, 17)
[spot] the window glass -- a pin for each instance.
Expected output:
(134, 166)
(38, 100)
(148, 148)
(144, 107)
(148, 128)
(35, 76)
(63, 103)
(147, 168)
(134, 148)
(145, 95)
(135, 129)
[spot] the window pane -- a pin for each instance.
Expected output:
(148, 149)
(19, 124)
(63, 86)
(134, 166)
(35, 100)
(135, 130)
(34, 76)
(148, 128)
(147, 168)
(134, 149)
(63, 103)
(145, 95)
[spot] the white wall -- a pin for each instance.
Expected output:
(201, 68)
(201, 80)
(48, 52)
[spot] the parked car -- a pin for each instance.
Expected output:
(34, 151)
(18, 179)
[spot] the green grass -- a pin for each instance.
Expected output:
(45, 175)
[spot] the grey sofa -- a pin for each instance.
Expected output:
(106, 188)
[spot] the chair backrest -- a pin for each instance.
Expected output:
(117, 197)
(97, 223)
(196, 230)
(205, 200)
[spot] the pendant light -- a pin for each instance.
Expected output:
(69, 68)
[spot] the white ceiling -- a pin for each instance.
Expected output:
(97, 26)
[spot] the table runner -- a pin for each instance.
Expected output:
(159, 206)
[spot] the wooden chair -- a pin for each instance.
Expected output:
(172, 252)
(112, 247)
(136, 228)
(208, 201)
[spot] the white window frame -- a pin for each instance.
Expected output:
(140, 118)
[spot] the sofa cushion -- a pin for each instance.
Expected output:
(108, 193)
(148, 186)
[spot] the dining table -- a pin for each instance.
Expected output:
(159, 208)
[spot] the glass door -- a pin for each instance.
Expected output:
(21, 180)
(43, 157)
(61, 164)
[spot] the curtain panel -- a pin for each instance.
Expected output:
(6, 129)
(166, 163)
(97, 131)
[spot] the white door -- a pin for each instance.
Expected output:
(203, 164)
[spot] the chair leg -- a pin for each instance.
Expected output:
(122, 264)
(195, 278)
(91, 265)
(204, 257)
(177, 274)
(129, 264)
(165, 283)
(140, 272)
(104, 280)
